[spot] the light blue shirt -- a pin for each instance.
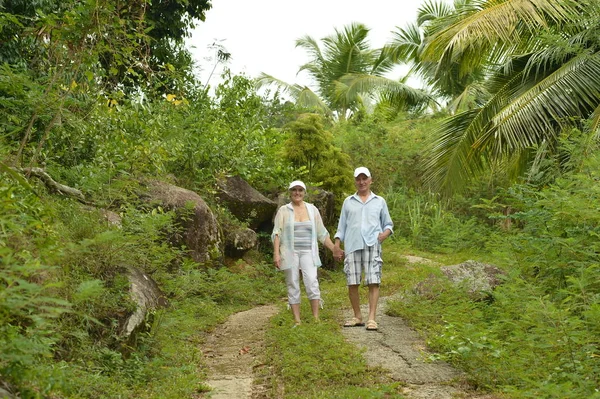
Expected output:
(284, 228)
(361, 222)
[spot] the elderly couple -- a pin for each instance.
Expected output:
(364, 224)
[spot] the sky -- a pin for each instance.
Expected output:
(261, 34)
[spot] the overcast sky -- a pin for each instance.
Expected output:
(261, 34)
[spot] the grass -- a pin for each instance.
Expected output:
(314, 360)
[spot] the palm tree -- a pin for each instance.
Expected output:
(541, 63)
(335, 66)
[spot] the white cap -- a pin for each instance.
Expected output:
(297, 183)
(362, 170)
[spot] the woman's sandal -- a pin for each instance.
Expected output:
(354, 322)
(372, 325)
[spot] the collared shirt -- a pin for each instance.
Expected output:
(361, 222)
(284, 228)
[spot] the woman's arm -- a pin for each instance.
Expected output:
(276, 255)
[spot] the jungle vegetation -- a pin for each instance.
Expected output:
(497, 161)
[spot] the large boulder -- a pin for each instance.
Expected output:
(147, 296)
(325, 203)
(238, 240)
(477, 278)
(246, 203)
(200, 232)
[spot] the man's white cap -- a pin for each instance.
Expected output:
(362, 170)
(297, 183)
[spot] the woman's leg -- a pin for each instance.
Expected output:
(292, 280)
(311, 283)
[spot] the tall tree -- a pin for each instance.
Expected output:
(463, 91)
(334, 65)
(130, 39)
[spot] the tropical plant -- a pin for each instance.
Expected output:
(542, 65)
(310, 147)
(346, 72)
(408, 44)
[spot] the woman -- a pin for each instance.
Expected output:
(298, 227)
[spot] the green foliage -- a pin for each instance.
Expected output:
(538, 335)
(311, 147)
(28, 308)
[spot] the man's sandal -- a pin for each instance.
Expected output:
(354, 322)
(372, 325)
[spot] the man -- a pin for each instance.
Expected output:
(364, 224)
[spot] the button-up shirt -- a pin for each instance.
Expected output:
(361, 222)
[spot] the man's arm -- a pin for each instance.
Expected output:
(387, 225)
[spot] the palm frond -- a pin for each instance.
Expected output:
(449, 162)
(473, 96)
(405, 44)
(265, 80)
(356, 84)
(535, 112)
(308, 99)
(311, 46)
(498, 23)
(432, 10)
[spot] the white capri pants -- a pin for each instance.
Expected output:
(302, 262)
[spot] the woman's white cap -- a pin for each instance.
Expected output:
(362, 170)
(297, 183)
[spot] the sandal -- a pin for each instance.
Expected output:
(354, 322)
(372, 325)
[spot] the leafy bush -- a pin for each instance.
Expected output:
(28, 308)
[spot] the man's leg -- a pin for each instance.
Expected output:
(373, 299)
(353, 270)
(353, 294)
(373, 266)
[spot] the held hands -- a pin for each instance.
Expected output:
(338, 253)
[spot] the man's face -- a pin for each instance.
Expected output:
(362, 183)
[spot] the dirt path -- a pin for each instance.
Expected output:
(232, 352)
(232, 355)
(398, 348)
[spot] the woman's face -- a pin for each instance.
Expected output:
(297, 194)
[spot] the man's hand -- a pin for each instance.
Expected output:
(338, 254)
(383, 235)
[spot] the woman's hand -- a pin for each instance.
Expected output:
(277, 260)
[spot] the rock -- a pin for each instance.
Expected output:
(239, 240)
(147, 296)
(246, 203)
(479, 279)
(325, 203)
(200, 232)
(112, 218)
